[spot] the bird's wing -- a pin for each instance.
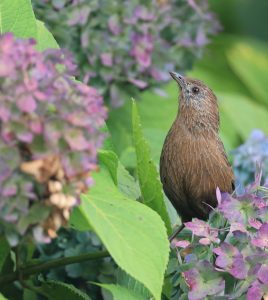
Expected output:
(228, 165)
(218, 166)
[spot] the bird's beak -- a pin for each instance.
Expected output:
(178, 78)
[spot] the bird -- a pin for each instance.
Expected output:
(193, 161)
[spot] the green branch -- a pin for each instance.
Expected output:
(26, 271)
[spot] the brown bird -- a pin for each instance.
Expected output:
(193, 162)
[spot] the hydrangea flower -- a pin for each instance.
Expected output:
(236, 267)
(181, 243)
(237, 209)
(203, 281)
(261, 239)
(129, 45)
(231, 260)
(245, 157)
(50, 133)
(201, 228)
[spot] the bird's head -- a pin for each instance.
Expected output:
(197, 102)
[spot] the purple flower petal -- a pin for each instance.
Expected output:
(139, 83)
(198, 227)
(203, 281)
(191, 278)
(9, 191)
(76, 140)
(237, 227)
(36, 126)
(254, 223)
(254, 293)
(141, 12)
(204, 241)
(239, 269)
(79, 16)
(26, 137)
(26, 103)
(263, 274)
(201, 38)
(218, 195)
(106, 59)
(201, 228)
(41, 96)
(231, 260)
(182, 244)
(258, 175)
(261, 240)
(4, 114)
(159, 75)
(6, 67)
(142, 47)
(114, 25)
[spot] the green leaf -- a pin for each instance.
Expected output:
(78, 221)
(2, 297)
(44, 38)
(157, 121)
(4, 251)
(107, 143)
(121, 177)
(127, 184)
(131, 284)
(156, 111)
(55, 290)
(250, 62)
(155, 138)
(150, 185)
(29, 295)
(128, 157)
(130, 231)
(119, 124)
(120, 292)
(17, 16)
(245, 114)
(110, 160)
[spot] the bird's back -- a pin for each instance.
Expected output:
(192, 166)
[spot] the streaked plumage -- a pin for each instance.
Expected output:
(193, 162)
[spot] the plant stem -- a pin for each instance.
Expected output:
(37, 268)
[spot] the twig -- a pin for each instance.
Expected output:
(26, 271)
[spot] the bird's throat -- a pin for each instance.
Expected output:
(197, 121)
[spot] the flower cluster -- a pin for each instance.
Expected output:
(128, 45)
(49, 135)
(231, 258)
(253, 151)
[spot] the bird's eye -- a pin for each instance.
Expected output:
(195, 90)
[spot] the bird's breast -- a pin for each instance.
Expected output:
(197, 162)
